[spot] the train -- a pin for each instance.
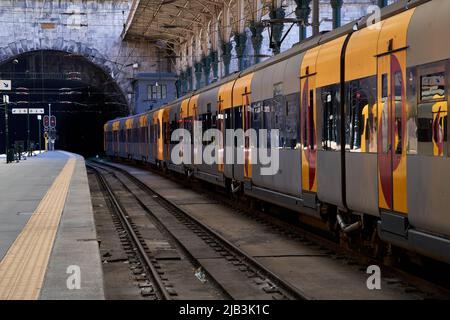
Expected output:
(363, 138)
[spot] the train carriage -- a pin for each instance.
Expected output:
(362, 119)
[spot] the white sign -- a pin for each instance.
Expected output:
(39, 117)
(5, 98)
(36, 111)
(5, 85)
(19, 111)
(25, 111)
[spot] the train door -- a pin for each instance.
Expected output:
(193, 106)
(308, 135)
(247, 138)
(166, 134)
(241, 123)
(220, 127)
(392, 192)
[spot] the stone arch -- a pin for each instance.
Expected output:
(94, 56)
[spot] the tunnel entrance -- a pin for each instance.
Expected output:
(81, 95)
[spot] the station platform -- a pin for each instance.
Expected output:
(48, 242)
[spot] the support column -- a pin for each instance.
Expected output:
(190, 63)
(206, 50)
(316, 18)
(302, 11)
(382, 3)
(337, 6)
(240, 37)
(189, 79)
(206, 66)
(257, 29)
(198, 75)
(215, 64)
(214, 52)
(198, 57)
(277, 29)
(178, 85)
(226, 45)
(226, 56)
(240, 40)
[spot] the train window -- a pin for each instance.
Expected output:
(228, 119)
(385, 145)
(214, 120)
(312, 140)
(256, 110)
(173, 125)
(166, 132)
(398, 89)
(237, 117)
(330, 101)
(384, 86)
(152, 133)
(129, 137)
(267, 119)
(432, 87)
(432, 129)
(142, 134)
(291, 132)
(360, 115)
(279, 119)
(428, 123)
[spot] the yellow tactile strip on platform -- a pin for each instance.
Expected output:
(23, 268)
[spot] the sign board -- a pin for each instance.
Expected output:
(5, 98)
(53, 122)
(19, 111)
(5, 85)
(36, 111)
(25, 111)
(46, 121)
(39, 117)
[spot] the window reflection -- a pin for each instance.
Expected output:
(361, 115)
(330, 100)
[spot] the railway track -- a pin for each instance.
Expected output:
(398, 285)
(133, 245)
(234, 273)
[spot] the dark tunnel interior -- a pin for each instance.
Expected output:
(81, 95)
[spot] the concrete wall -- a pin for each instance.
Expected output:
(91, 28)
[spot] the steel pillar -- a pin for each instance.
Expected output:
(337, 6)
(382, 3)
(302, 11)
(226, 56)
(257, 29)
(277, 28)
(241, 41)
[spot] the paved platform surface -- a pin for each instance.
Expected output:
(48, 242)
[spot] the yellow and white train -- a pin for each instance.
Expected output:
(362, 116)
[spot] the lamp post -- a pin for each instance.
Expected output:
(23, 91)
(39, 117)
(50, 144)
(6, 101)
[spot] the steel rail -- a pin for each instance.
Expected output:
(290, 290)
(163, 293)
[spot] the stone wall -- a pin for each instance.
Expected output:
(91, 28)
